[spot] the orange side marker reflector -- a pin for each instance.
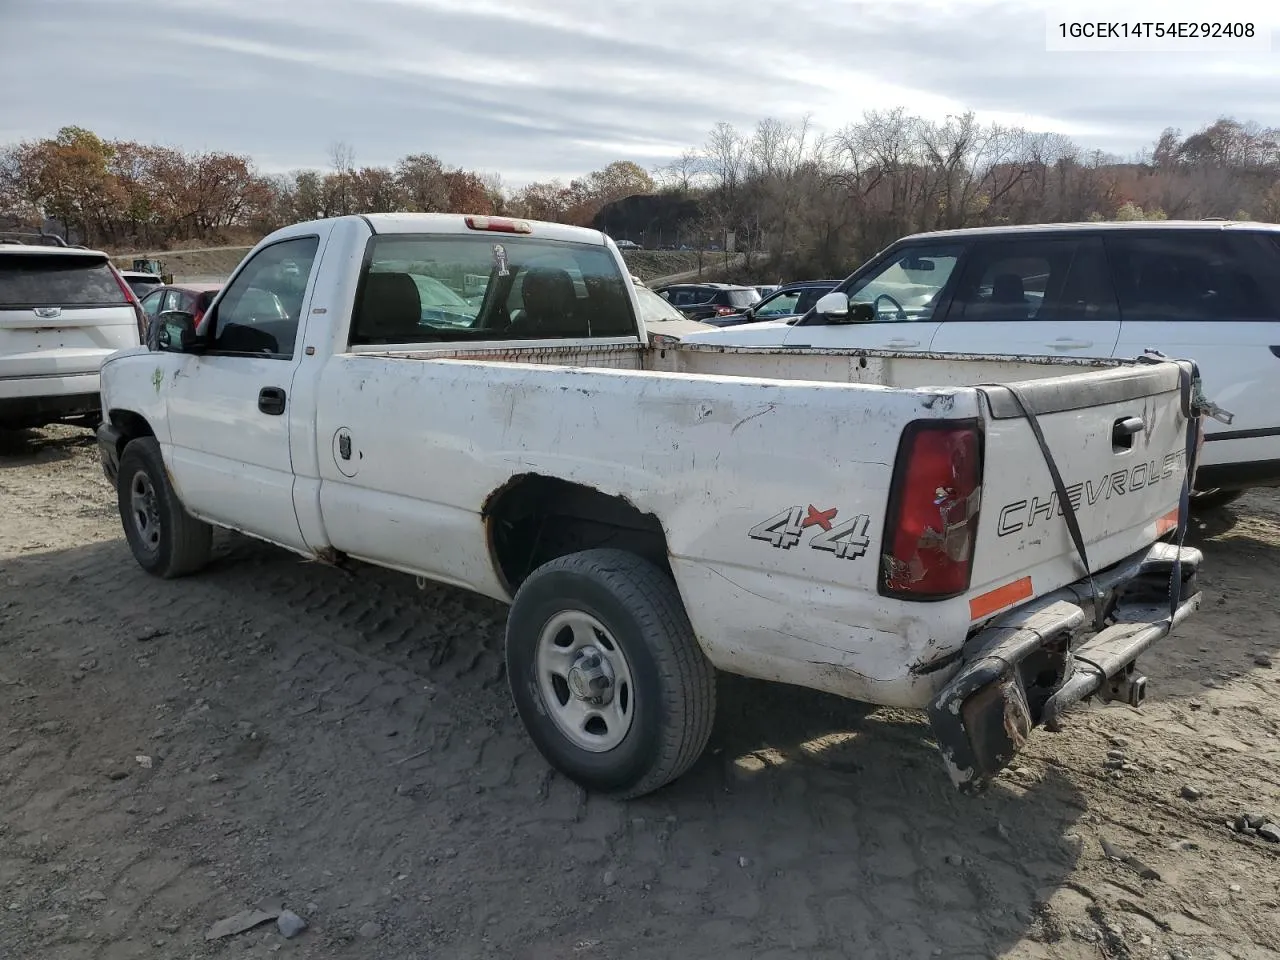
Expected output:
(999, 598)
(1166, 523)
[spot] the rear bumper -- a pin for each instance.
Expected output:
(1029, 666)
(36, 401)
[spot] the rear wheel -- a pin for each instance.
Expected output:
(607, 674)
(165, 539)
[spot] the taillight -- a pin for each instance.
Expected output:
(933, 511)
(132, 298)
(499, 224)
(725, 311)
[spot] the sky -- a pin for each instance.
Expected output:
(537, 89)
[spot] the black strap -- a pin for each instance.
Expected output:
(1187, 382)
(1064, 501)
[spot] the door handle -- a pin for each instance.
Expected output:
(902, 342)
(271, 401)
(1066, 343)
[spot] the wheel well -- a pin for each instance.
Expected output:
(131, 426)
(534, 519)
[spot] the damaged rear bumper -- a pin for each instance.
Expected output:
(1029, 666)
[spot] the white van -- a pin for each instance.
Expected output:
(63, 310)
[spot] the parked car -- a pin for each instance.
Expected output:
(553, 456)
(765, 289)
(192, 298)
(1204, 290)
(141, 282)
(62, 310)
(626, 245)
(699, 301)
(789, 300)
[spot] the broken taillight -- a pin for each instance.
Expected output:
(933, 511)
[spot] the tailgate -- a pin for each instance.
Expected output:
(1119, 439)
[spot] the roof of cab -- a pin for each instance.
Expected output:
(1048, 228)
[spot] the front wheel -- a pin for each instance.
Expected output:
(607, 674)
(165, 539)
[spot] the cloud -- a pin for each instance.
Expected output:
(540, 88)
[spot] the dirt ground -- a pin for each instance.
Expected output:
(173, 753)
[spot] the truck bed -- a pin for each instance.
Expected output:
(690, 435)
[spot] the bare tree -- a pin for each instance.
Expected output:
(342, 160)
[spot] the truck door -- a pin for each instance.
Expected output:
(227, 407)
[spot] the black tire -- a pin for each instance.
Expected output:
(674, 685)
(167, 541)
(1210, 500)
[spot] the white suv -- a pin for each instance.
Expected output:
(1207, 291)
(62, 311)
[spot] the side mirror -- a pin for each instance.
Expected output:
(175, 332)
(834, 305)
(837, 308)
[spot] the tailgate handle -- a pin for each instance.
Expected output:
(1123, 431)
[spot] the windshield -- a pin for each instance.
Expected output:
(143, 285)
(653, 309)
(780, 304)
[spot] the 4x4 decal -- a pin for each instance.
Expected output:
(847, 540)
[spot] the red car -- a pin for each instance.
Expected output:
(192, 298)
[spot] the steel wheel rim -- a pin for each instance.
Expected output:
(144, 510)
(592, 704)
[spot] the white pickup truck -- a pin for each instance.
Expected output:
(988, 539)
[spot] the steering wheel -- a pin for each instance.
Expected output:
(902, 314)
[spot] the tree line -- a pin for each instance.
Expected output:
(782, 193)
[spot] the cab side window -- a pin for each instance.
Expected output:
(259, 313)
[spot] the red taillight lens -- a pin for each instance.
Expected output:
(725, 311)
(132, 298)
(933, 511)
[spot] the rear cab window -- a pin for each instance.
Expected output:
(448, 288)
(742, 298)
(57, 280)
